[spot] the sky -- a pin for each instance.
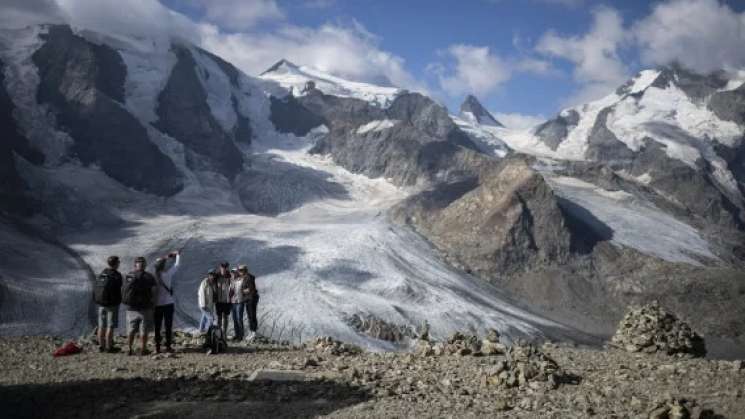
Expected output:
(524, 59)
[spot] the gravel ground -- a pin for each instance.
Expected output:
(190, 384)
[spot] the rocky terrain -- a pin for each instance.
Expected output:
(332, 379)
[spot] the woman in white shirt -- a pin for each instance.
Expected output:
(164, 305)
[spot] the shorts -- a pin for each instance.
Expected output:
(108, 317)
(224, 308)
(140, 321)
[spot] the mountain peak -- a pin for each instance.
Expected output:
(473, 111)
(280, 64)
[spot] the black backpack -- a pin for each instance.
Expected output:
(216, 342)
(137, 292)
(106, 291)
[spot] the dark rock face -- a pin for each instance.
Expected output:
(508, 221)
(729, 106)
(555, 131)
(289, 116)
(603, 145)
(696, 86)
(84, 84)
(13, 195)
(480, 114)
(184, 114)
(693, 189)
(422, 144)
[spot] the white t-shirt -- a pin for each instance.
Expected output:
(166, 277)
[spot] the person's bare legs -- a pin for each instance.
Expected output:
(102, 337)
(110, 337)
(130, 340)
(143, 346)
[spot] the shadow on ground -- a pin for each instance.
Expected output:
(177, 398)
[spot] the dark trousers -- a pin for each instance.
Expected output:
(164, 313)
(251, 310)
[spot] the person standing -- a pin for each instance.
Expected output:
(164, 306)
(251, 299)
(138, 294)
(223, 297)
(107, 293)
(238, 297)
(206, 295)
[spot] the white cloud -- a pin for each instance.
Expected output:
(140, 17)
(239, 14)
(597, 66)
(19, 13)
(347, 51)
(703, 35)
(474, 69)
(518, 120)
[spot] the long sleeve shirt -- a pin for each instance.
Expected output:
(206, 295)
(165, 296)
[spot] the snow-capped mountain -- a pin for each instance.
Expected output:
(147, 146)
(297, 78)
(128, 145)
(474, 112)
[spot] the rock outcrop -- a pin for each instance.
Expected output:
(651, 329)
(505, 221)
(184, 114)
(83, 83)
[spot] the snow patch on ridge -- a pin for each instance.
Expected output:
(377, 125)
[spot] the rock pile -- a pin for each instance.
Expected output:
(329, 345)
(680, 409)
(650, 329)
(525, 366)
(380, 329)
(462, 344)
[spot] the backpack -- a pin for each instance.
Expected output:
(106, 288)
(216, 341)
(137, 292)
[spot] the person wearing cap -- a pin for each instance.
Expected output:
(238, 298)
(164, 306)
(251, 299)
(108, 296)
(138, 294)
(223, 297)
(206, 296)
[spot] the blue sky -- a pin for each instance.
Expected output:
(525, 59)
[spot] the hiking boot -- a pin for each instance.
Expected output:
(114, 350)
(169, 350)
(144, 352)
(102, 349)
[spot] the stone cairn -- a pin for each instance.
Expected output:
(650, 329)
(462, 344)
(525, 366)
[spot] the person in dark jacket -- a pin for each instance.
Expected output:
(139, 294)
(109, 297)
(251, 294)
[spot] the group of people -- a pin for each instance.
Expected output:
(149, 302)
